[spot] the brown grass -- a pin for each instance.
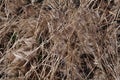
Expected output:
(59, 40)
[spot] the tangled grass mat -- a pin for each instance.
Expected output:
(59, 39)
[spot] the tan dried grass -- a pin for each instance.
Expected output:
(59, 40)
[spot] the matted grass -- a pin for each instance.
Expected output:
(59, 40)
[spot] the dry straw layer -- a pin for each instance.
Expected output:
(59, 39)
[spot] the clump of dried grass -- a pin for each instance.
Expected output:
(59, 40)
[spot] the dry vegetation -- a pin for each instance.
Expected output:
(59, 39)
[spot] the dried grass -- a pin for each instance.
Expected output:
(59, 40)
